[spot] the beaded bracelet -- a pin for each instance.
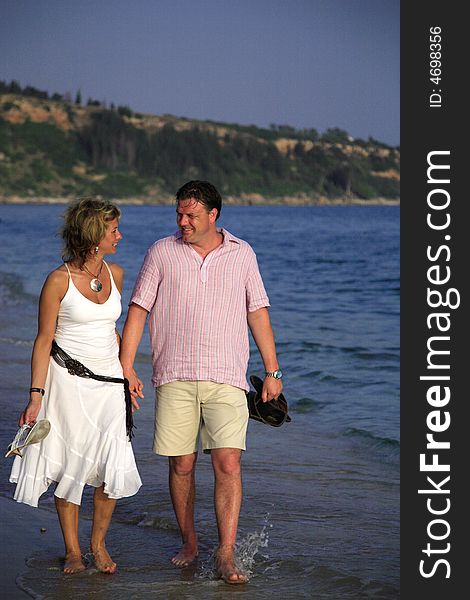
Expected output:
(39, 390)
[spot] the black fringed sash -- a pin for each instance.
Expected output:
(75, 367)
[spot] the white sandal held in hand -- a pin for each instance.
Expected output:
(28, 434)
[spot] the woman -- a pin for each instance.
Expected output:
(88, 442)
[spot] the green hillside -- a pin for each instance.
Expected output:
(53, 146)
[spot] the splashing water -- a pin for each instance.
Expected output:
(249, 546)
(245, 552)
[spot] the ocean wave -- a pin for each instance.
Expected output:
(328, 378)
(319, 375)
(345, 586)
(329, 261)
(306, 405)
(313, 374)
(385, 280)
(156, 522)
(374, 440)
(12, 289)
(16, 342)
(368, 354)
(311, 345)
(352, 349)
(381, 450)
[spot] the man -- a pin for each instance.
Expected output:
(201, 288)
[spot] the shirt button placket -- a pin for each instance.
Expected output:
(203, 273)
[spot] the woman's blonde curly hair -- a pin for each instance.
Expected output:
(85, 224)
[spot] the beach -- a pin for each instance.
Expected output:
(25, 531)
(320, 514)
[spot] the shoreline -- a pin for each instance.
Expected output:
(243, 200)
(25, 531)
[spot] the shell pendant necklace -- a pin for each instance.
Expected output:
(95, 283)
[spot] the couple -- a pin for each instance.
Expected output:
(201, 288)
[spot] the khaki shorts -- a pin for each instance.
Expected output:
(183, 409)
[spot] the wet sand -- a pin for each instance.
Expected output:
(22, 536)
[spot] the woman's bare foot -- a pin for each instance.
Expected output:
(185, 556)
(103, 561)
(73, 563)
(226, 568)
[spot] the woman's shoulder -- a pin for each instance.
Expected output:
(118, 273)
(58, 275)
(116, 269)
(57, 280)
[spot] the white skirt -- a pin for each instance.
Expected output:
(87, 443)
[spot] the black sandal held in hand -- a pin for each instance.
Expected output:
(273, 412)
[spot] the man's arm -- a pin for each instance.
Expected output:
(131, 336)
(260, 326)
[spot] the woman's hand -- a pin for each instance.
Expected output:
(30, 413)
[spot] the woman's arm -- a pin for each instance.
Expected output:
(52, 293)
(118, 276)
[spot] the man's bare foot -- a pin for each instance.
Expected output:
(185, 556)
(103, 561)
(226, 568)
(73, 563)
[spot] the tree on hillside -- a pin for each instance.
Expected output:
(15, 87)
(335, 135)
(124, 111)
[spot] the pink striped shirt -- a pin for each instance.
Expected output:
(198, 309)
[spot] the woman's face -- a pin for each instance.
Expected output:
(112, 236)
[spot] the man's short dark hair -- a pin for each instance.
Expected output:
(202, 191)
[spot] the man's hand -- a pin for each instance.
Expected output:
(131, 336)
(135, 387)
(260, 326)
(272, 388)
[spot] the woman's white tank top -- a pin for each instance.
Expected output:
(86, 330)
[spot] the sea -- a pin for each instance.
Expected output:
(320, 514)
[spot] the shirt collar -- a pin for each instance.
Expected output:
(228, 237)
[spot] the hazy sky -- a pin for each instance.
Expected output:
(305, 63)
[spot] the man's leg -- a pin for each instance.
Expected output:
(183, 492)
(226, 463)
